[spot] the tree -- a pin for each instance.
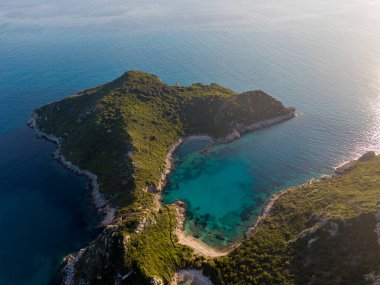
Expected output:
(151, 139)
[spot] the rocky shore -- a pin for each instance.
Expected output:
(209, 251)
(234, 135)
(99, 118)
(241, 129)
(349, 166)
(102, 205)
(168, 165)
(198, 245)
(193, 242)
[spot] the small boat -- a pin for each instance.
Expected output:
(206, 149)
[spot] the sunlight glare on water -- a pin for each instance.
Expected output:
(375, 138)
(320, 56)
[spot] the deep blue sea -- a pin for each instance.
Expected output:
(322, 57)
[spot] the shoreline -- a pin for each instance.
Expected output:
(108, 213)
(207, 250)
(184, 239)
(242, 129)
(195, 243)
(168, 164)
(338, 171)
(268, 206)
(101, 204)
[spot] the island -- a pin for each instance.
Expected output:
(122, 135)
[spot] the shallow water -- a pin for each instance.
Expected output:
(322, 57)
(227, 188)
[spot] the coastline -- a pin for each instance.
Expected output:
(195, 243)
(241, 129)
(68, 269)
(184, 239)
(102, 205)
(338, 171)
(209, 251)
(268, 207)
(168, 164)
(108, 213)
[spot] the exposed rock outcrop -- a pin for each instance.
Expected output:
(97, 263)
(102, 205)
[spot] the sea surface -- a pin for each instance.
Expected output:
(322, 57)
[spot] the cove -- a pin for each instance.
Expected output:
(324, 63)
(226, 188)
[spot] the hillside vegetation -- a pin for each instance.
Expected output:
(325, 232)
(122, 132)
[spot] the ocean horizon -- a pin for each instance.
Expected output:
(323, 58)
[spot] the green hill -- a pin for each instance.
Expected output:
(325, 232)
(122, 131)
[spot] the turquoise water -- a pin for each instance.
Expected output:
(227, 188)
(322, 57)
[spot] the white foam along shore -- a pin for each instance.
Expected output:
(209, 251)
(195, 243)
(102, 205)
(234, 135)
(266, 211)
(339, 171)
(168, 164)
(241, 129)
(69, 268)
